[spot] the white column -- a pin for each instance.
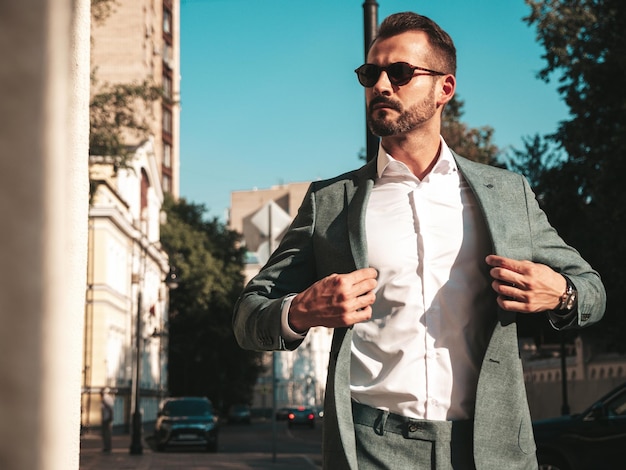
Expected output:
(44, 82)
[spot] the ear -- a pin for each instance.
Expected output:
(447, 88)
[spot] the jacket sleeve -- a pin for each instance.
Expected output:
(550, 249)
(290, 270)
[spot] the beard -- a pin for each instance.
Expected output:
(382, 124)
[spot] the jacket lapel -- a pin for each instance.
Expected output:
(357, 194)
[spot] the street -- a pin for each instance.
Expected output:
(241, 446)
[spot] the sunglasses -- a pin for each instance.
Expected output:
(399, 73)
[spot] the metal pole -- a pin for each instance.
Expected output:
(136, 447)
(274, 424)
(370, 27)
(270, 248)
(565, 405)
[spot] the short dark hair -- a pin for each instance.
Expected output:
(439, 40)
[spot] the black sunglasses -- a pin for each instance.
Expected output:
(399, 73)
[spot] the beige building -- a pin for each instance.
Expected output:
(140, 42)
(273, 209)
(127, 293)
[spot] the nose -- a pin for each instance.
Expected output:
(383, 85)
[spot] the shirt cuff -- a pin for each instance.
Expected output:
(559, 320)
(287, 332)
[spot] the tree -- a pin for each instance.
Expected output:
(204, 358)
(585, 44)
(116, 114)
(472, 143)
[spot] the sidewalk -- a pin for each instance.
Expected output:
(92, 458)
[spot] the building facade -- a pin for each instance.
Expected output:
(126, 311)
(139, 41)
(555, 386)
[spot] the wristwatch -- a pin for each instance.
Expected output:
(569, 297)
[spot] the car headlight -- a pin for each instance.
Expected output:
(166, 426)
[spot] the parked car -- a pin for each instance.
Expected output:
(593, 439)
(239, 414)
(187, 421)
(301, 415)
(282, 413)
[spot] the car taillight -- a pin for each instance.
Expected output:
(291, 416)
(311, 416)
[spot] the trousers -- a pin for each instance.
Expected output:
(388, 441)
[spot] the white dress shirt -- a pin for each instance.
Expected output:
(420, 353)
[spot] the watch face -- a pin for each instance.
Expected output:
(571, 301)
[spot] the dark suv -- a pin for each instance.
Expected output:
(593, 439)
(186, 421)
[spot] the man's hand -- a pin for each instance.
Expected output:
(524, 286)
(337, 300)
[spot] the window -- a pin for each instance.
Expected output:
(167, 155)
(167, 22)
(167, 184)
(167, 86)
(617, 405)
(168, 55)
(167, 120)
(145, 185)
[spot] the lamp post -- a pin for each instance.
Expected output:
(136, 447)
(370, 27)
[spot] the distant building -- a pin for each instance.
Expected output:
(589, 374)
(249, 209)
(126, 294)
(262, 216)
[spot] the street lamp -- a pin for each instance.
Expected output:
(370, 27)
(136, 447)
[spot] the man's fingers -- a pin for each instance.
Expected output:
(356, 283)
(510, 271)
(361, 275)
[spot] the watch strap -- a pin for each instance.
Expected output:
(569, 297)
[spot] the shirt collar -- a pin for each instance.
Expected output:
(445, 165)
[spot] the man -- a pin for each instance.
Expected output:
(420, 261)
(106, 409)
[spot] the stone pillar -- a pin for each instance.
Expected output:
(44, 87)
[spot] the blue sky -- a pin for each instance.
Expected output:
(269, 95)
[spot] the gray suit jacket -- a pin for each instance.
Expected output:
(328, 236)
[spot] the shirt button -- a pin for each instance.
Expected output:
(413, 427)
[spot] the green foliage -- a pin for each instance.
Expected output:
(585, 44)
(116, 113)
(472, 143)
(204, 358)
(537, 158)
(102, 9)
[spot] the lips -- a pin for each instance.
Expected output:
(383, 103)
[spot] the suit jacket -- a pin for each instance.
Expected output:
(328, 236)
